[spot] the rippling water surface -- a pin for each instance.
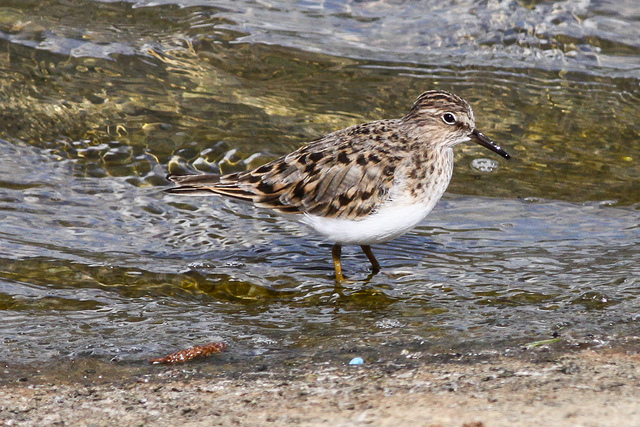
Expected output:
(100, 99)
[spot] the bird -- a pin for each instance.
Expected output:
(363, 185)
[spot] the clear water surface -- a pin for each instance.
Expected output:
(101, 98)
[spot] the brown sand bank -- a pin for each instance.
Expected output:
(578, 388)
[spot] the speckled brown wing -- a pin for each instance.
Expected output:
(346, 174)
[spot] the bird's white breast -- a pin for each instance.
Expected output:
(387, 223)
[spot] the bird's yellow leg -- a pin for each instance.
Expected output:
(375, 265)
(337, 264)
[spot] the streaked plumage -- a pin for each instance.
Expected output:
(365, 184)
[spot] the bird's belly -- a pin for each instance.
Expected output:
(384, 225)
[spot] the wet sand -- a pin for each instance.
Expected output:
(540, 387)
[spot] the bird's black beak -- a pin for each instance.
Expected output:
(477, 136)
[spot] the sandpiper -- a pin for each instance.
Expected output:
(363, 185)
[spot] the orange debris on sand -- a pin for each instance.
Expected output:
(191, 353)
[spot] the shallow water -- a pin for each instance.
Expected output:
(100, 99)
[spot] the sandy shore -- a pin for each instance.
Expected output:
(578, 388)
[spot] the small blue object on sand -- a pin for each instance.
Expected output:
(356, 361)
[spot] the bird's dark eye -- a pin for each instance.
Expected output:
(449, 118)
